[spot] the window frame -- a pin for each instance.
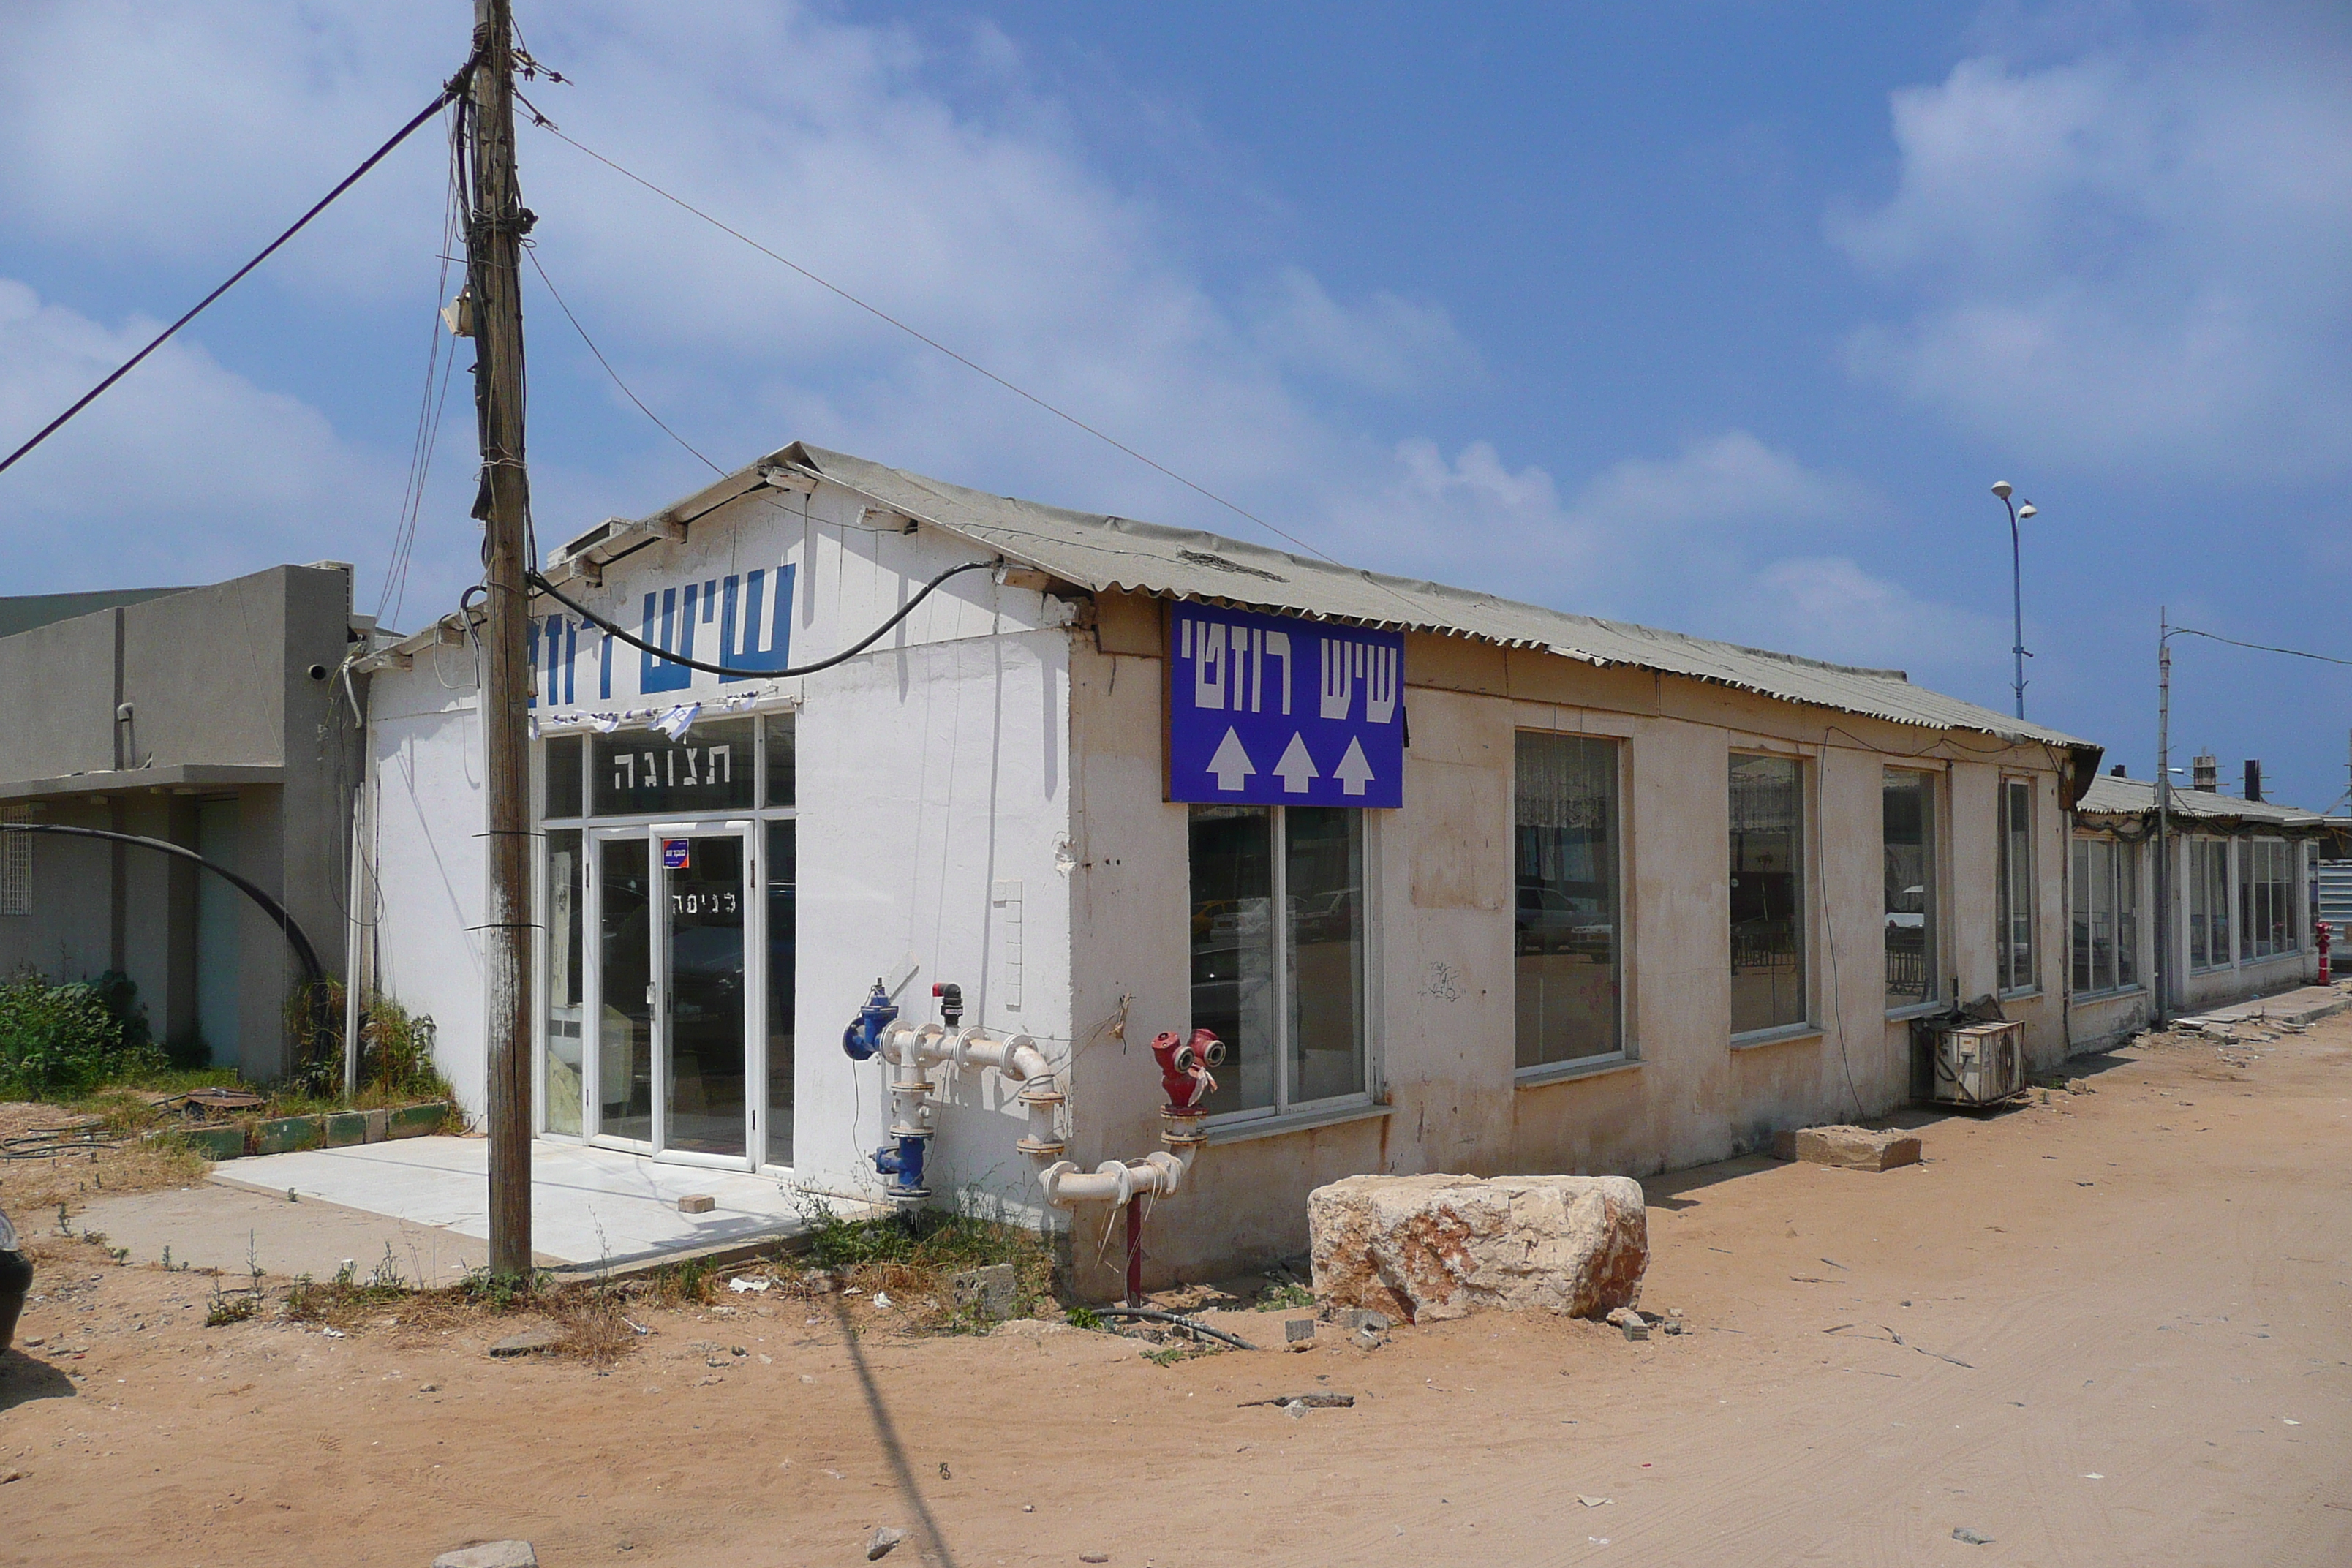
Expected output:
(758, 813)
(1806, 779)
(1934, 939)
(2006, 980)
(1624, 1051)
(2103, 863)
(1285, 1110)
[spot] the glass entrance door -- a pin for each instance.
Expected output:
(705, 1034)
(671, 909)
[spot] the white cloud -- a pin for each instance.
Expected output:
(185, 473)
(929, 176)
(2131, 259)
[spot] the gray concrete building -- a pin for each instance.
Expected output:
(216, 718)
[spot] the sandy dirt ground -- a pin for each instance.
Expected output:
(2114, 1328)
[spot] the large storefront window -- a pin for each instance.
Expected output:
(2209, 903)
(1564, 853)
(669, 876)
(1909, 818)
(1768, 894)
(2266, 914)
(2014, 939)
(1279, 952)
(2106, 915)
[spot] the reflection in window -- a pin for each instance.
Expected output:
(566, 898)
(2106, 915)
(1767, 896)
(1908, 806)
(562, 765)
(638, 773)
(784, 773)
(1279, 952)
(782, 874)
(1564, 853)
(2209, 903)
(2266, 920)
(2013, 940)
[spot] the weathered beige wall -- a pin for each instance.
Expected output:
(1443, 1017)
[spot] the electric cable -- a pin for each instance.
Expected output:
(535, 581)
(532, 251)
(544, 123)
(449, 91)
(2257, 647)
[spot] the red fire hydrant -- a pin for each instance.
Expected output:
(1184, 1068)
(2325, 932)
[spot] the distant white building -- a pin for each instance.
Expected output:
(1462, 884)
(2244, 893)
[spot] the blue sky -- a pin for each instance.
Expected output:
(1720, 317)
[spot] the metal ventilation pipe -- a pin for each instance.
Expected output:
(2254, 778)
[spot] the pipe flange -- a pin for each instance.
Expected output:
(1037, 1150)
(1041, 1094)
(922, 1134)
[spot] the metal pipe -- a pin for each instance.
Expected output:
(1134, 1253)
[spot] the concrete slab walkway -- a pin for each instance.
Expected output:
(426, 1201)
(2304, 1005)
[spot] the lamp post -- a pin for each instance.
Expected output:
(2017, 511)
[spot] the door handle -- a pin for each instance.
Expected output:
(649, 995)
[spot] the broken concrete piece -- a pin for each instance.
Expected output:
(1362, 1318)
(697, 1203)
(490, 1555)
(1298, 1332)
(526, 1343)
(1853, 1148)
(987, 1291)
(1631, 1323)
(884, 1538)
(1420, 1248)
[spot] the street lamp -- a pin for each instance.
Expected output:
(2017, 509)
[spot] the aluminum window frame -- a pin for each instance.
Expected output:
(758, 814)
(1285, 1109)
(2015, 883)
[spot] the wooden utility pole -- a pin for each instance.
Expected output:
(495, 225)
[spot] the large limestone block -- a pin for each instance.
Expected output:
(1427, 1247)
(1854, 1148)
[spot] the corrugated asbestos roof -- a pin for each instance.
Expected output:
(2112, 797)
(1102, 553)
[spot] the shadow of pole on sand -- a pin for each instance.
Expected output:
(886, 1432)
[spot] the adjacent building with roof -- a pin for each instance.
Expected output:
(2242, 890)
(209, 718)
(1462, 884)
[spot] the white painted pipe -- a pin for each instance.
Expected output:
(1114, 1180)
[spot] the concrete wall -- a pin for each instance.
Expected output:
(218, 675)
(1443, 1014)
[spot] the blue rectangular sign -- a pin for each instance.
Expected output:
(1281, 711)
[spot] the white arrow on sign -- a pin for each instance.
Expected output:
(1230, 764)
(1353, 772)
(1297, 768)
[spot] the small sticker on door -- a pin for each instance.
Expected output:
(673, 854)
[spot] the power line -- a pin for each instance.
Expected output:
(347, 180)
(543, 122)
(2257, 647)
(532, 251)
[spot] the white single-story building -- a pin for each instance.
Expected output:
(2244, 896)
(1462, 884)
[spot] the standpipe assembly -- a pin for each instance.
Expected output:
(911, 1051)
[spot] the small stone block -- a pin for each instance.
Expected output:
(988, 1291)
(1298, 1330)
(529, 1342)
(415, 1120)
(1851, 1148)
(697, 1203)
(378, 1125)
(345, 1128)
(285, 1134)
(490, 1555)
(1364, 1318)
